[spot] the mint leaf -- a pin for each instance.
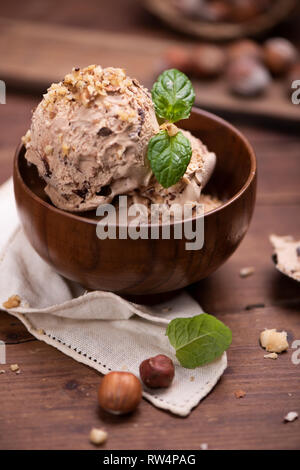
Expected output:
(198, 340)
(169, 157)
(173, 95)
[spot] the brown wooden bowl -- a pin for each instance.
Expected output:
(68, 241)
(221, 31)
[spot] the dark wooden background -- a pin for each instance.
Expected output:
(52, 403)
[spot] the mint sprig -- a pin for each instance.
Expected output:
(173, 96)
(198, 340)
(169, 155)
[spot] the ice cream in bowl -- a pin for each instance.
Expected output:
(128, 191)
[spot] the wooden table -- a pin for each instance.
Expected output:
(52, 403)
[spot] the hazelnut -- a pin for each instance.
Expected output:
(245, 48)
(208, 61)
(279, 55)
(178, 57)
(119, 392)
(247, 77)
(157, 372)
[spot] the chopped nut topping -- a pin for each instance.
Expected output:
(246, 272)
(170, 128)
(271, 356)
(239, 394)
(98, 436)
(13, 302)
(48, 149)
(85, 85)
(204, 446)
(274, 341)
(291, 416)
(124, 116)
(26, 139)
(65, 149)
(14, 367)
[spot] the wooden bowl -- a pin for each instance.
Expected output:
(221, 31)
(68, 241)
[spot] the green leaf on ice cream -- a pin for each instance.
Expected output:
(173, 95)
(169, 157)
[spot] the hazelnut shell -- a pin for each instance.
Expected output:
(247, 77)
(279, 55)
(119, 392)
(208, 61)
(157, 372)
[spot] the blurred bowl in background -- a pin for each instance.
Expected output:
(218, 31)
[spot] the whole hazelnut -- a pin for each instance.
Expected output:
(279, 55)
(208, 61)
(119, 392)
(178, 57)
(247, 77)
(157, 372)
(245, 48)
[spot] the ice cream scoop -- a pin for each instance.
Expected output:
(188, 189)
(89, 137)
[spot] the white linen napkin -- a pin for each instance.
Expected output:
(98, 328)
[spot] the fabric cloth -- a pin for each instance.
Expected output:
(97, 328)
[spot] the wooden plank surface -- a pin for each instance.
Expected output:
(52, 403)
(23, 63)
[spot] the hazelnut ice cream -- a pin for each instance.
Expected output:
(89, 138)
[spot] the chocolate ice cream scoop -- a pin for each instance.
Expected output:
(89, 137)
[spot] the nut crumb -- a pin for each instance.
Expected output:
(2, 371)
(271, 356)
(192, 378)
(246, 272)
(291, 416)
(170, 128)
(203, 446)
(26, 139)
(14, 367)
(239, 394)
(12, 302)
(274, 341)
(40, 331)
(98, 436)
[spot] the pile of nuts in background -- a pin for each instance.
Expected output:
(247, 66)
